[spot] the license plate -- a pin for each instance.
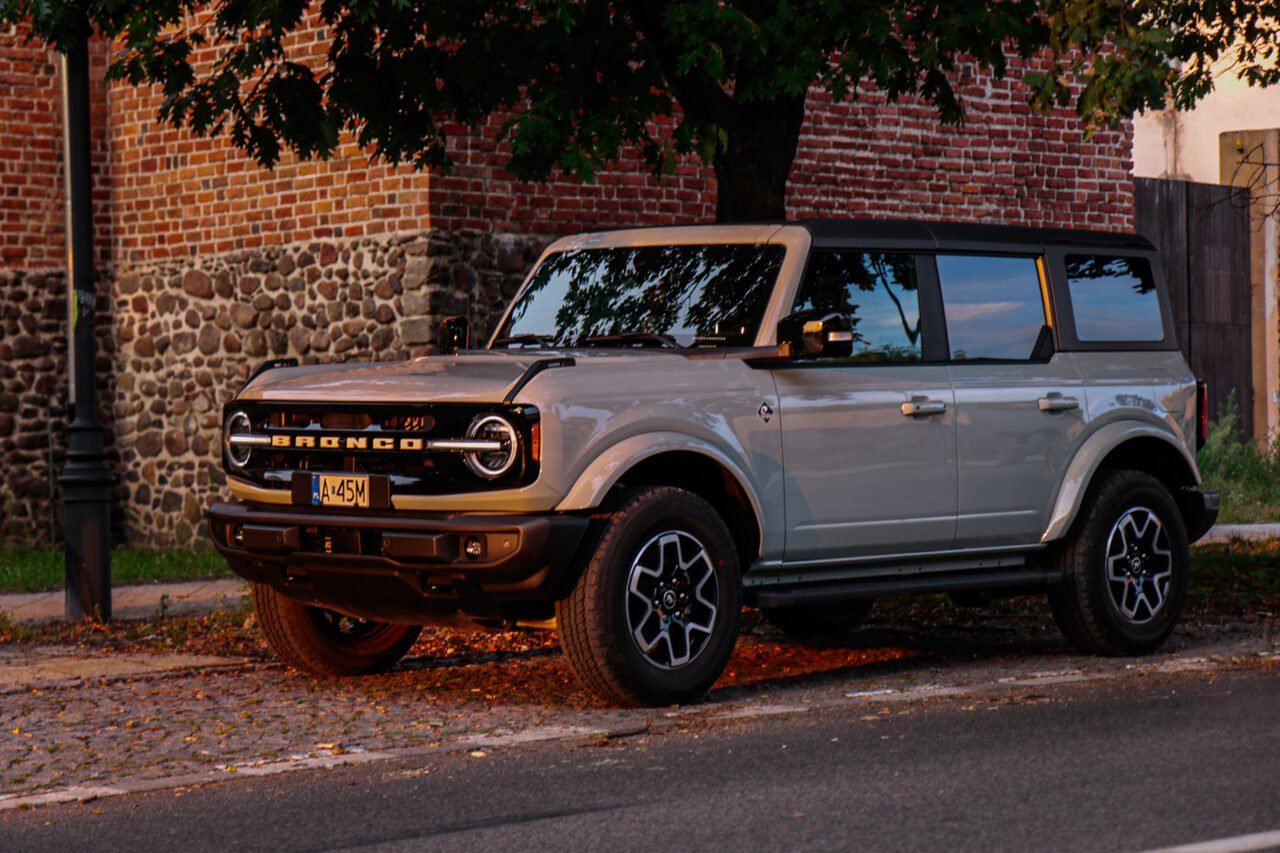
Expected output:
(340, 490)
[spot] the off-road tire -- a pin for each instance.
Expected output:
(828, 620)
(1087, 605)
(594, 621)
(325, 643)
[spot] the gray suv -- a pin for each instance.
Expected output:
(670, 423)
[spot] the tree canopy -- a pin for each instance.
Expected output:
(576, 81)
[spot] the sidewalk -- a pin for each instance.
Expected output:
(139, 602)
(1227, 532)
(132, 602)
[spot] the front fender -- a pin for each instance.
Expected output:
(1085, 464)
(607, 468)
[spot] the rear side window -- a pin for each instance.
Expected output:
(1113, 299)
(994, 306)
(877, 291)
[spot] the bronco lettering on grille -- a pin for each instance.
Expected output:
(350, 442)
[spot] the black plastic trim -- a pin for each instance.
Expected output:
(1199, 512)
(533, 370)
(420, 570)
(1020, 578)
(977, 237)
(269, 364)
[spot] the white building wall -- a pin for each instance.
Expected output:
(1184, 146)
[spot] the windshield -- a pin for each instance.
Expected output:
(679, 296)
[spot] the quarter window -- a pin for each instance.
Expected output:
(1113, 299)
(879, 294)
(993, 305)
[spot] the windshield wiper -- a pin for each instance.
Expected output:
(629, 339)
(545, 341)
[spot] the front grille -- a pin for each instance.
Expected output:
(395, 441)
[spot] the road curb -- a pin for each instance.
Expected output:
(1261, 652)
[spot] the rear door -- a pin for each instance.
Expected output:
(1020, 408)
(869, 439)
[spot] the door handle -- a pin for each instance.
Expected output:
(1055, 402)
(923, 406)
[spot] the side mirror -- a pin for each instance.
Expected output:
(454, 334)
(815, 334)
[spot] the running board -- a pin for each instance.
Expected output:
(811, 593)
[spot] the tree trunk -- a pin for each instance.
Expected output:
(752, 169)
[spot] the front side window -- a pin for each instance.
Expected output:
(879, 294)
(993, 305)
(1113, 299)
(682, 296)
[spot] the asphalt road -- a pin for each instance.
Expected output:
(1128, 764)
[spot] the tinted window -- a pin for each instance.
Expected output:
(686, 295)
(878, 293)
(993, 306)
(1113, 299)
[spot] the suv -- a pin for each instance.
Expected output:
(670, 423)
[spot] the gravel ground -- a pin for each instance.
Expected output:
(458, 688)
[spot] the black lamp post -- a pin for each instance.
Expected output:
(86, 481)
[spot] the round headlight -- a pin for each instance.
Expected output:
(237, 423)
(492, 464)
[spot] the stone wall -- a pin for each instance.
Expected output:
(34, 411)
(189, 334)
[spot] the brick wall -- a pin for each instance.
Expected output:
(32, 212)
(478, 193)
(176, 196)
(862, 158)
(869, 158)
(179, 196)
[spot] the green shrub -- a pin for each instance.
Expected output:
(1245, 473)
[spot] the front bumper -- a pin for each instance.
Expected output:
(402, 567)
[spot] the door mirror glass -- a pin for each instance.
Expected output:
(815, 334)
(454, 334)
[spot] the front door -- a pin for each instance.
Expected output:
(864, 477)
(868, 436)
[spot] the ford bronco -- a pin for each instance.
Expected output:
(670, 423)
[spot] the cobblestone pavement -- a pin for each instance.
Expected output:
(136, 731)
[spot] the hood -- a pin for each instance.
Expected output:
(478, 376)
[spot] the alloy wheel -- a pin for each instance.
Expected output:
(672, 590)
(1139, 564)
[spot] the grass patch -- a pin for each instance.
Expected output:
(31, 570)
(1246, 474)
(1239, 579)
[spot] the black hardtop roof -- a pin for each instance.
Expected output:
(966, 236)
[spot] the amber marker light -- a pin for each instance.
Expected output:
(535, 442)
(1202, 413)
